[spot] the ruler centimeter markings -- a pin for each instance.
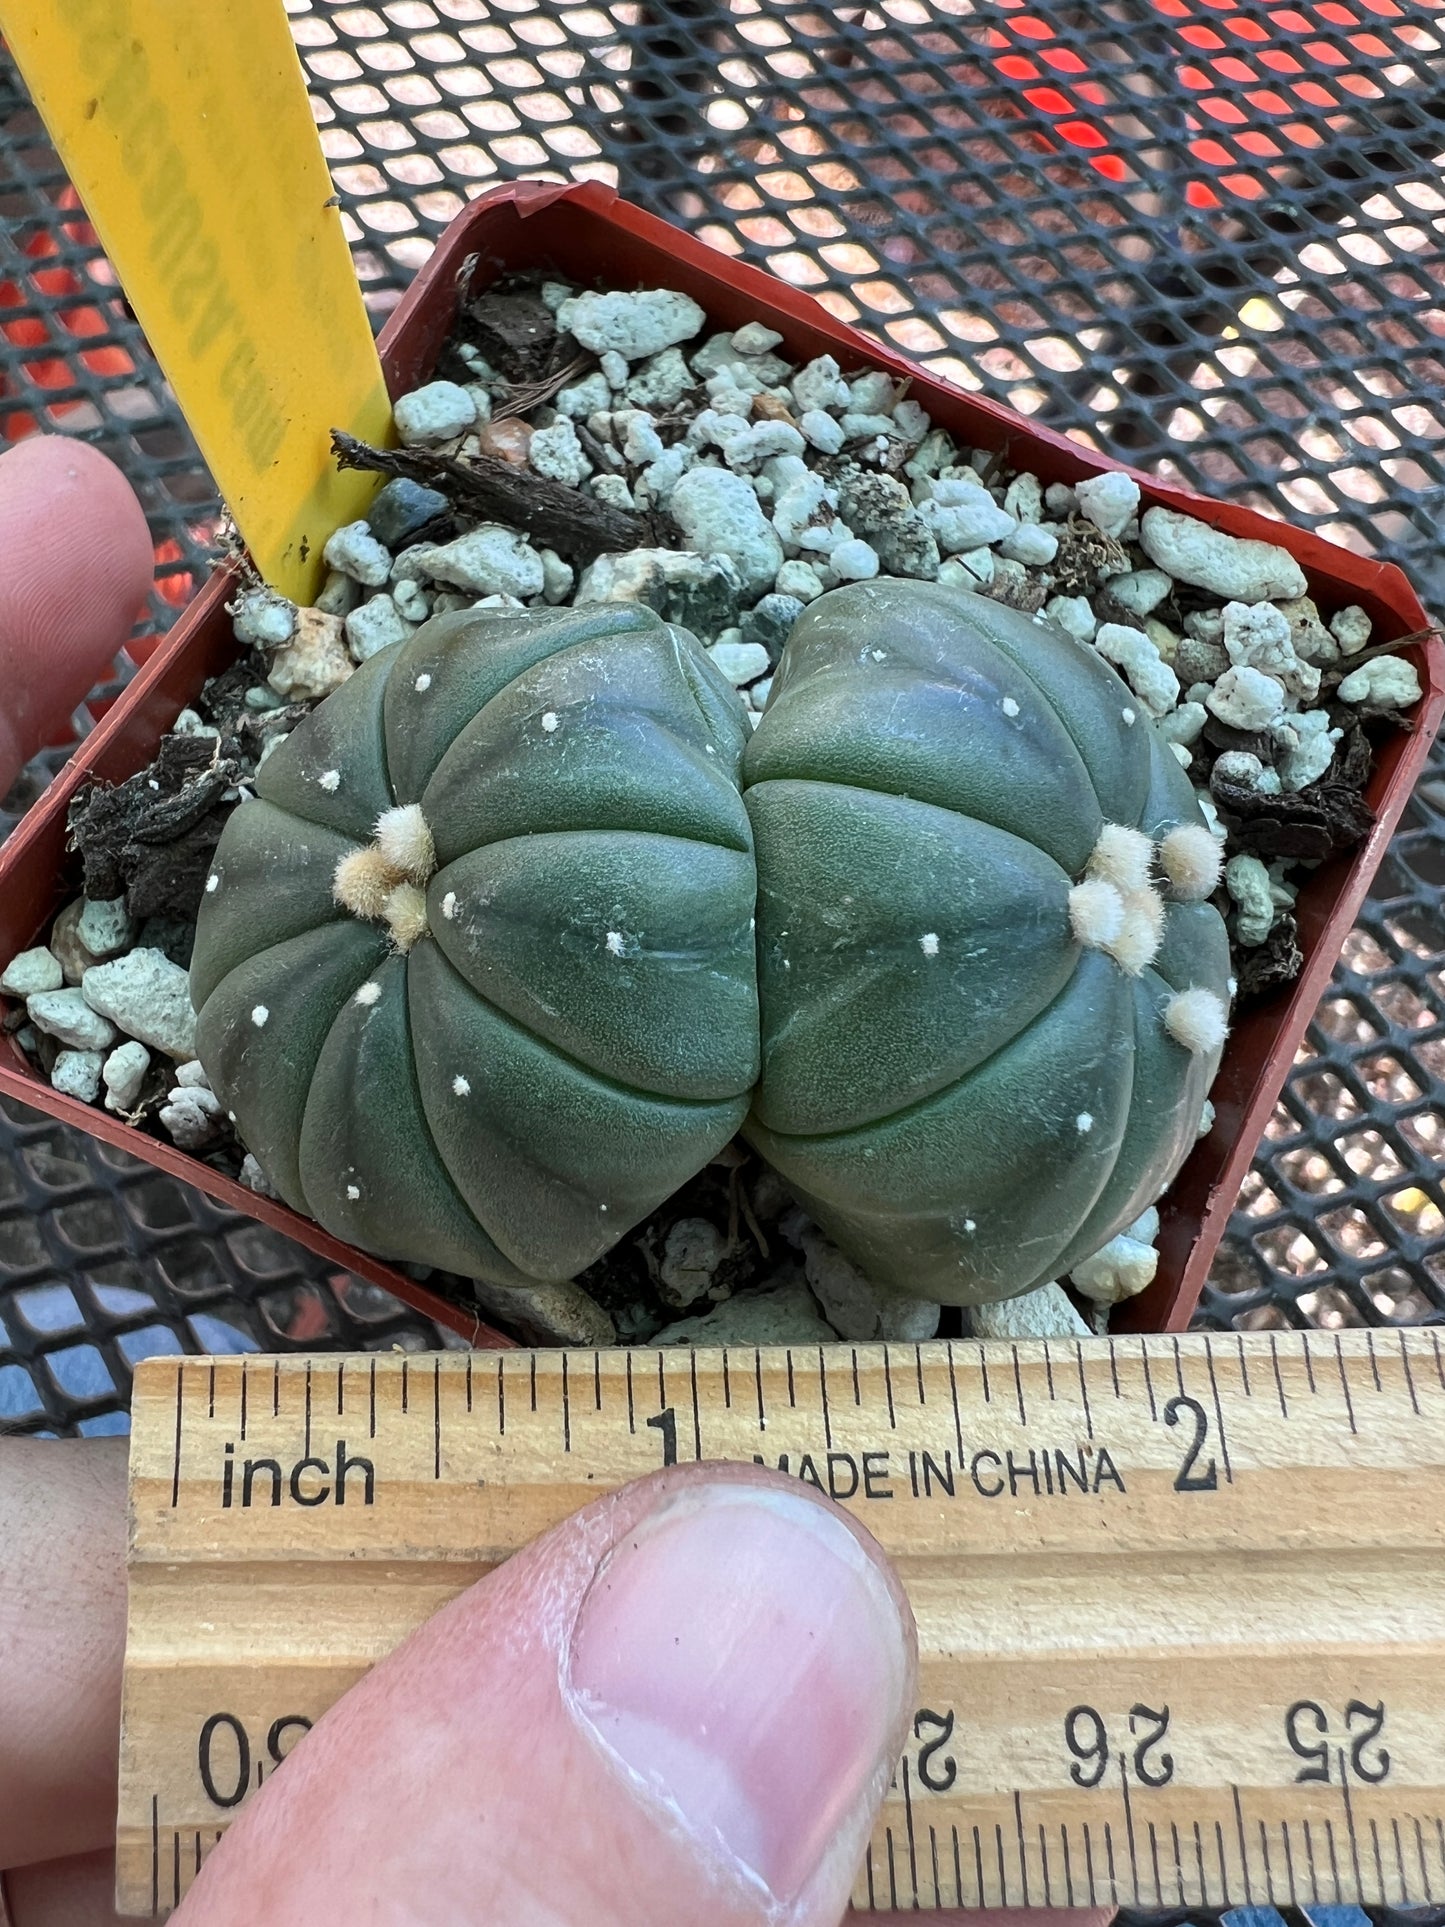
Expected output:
(1181, 1600)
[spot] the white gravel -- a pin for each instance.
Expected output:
(149, 997)
(1234, 567)
(439, 412)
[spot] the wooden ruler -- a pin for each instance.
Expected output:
(1181, 1600)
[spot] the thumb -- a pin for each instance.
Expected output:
(683, 1704)
(75, 563)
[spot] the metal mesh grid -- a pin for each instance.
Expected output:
(1202, 235)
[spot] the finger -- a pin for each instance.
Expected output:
(62, 1638)
(683, 1704)
(64, 1893)
(75, 564)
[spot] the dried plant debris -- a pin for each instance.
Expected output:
(581, 445)
(1271, 964)
(484, 489)
(150, 839)
(512, 327)
(1304, 825)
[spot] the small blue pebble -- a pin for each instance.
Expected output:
(402, 509)
(770, 623)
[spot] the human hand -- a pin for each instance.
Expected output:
(75, 563)
(682, 1705)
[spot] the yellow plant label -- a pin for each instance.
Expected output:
(186, 129)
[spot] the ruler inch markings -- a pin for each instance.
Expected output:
(953, 1394)
(1334, 1860)
(909, 1830)
(1239, 1834)
(1278, 1379)
(1129, 1831)
(1350, 1820)
(1289, 1887)
(1409, 1375)
(1148, 1379)
(1018, 1807)
(1211, 1603)
(1084, 1395)
(1374, 1361)
(1345, 1383)
(1264, 1856)
(176, 1461)
(1420, 1854)
(978, 1863)
(1218, 1406)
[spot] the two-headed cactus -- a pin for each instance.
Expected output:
(478, 977)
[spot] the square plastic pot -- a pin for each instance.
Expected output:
(590, 237)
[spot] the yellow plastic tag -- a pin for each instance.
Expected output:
(186, 129)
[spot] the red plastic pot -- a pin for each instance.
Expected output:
(588, 235)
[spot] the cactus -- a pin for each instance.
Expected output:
(993, 992)
(475, 971)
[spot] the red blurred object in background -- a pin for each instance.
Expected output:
(84, 321)
(1257, 88)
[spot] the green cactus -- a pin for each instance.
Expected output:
(993, 995)
(475, 971)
